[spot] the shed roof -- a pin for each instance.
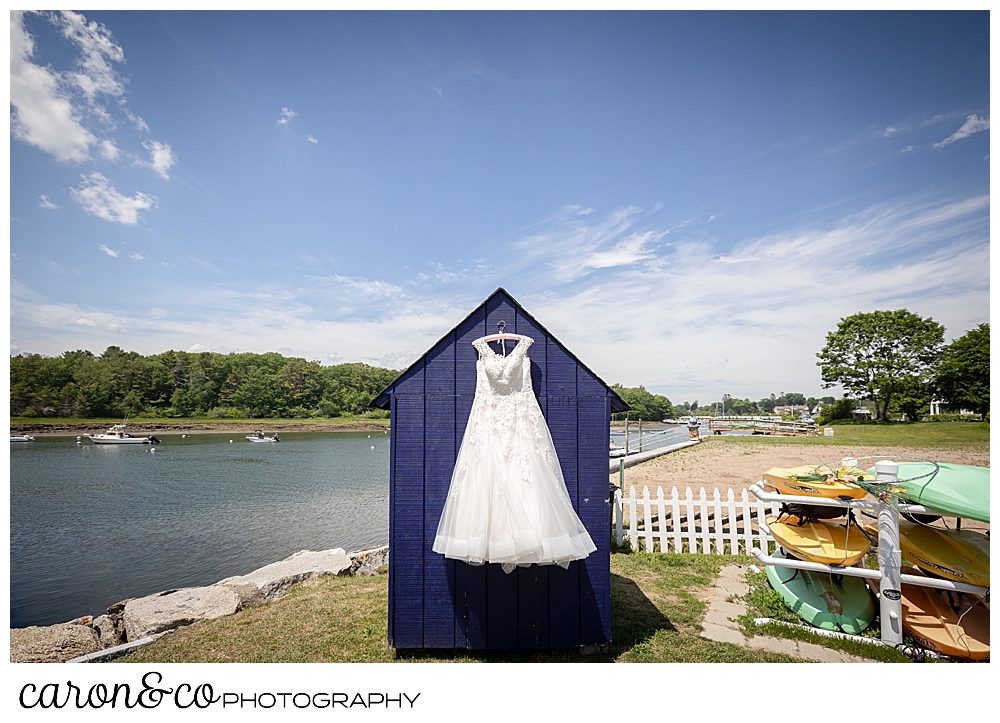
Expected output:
(617, 403)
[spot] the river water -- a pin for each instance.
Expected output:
(94, 524)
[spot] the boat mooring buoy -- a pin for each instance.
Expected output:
(373, 446)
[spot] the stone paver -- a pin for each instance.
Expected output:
(719, 624)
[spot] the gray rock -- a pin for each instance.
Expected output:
(110, 630)
(168, 610)
(118, 608)
(274, 579)
(248, 593)
(53, 643)
(368, 562)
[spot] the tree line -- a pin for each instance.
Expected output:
(656, 407)
(187, 384)
(899, 361)
(895, 359)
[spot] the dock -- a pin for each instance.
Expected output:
(778, 428)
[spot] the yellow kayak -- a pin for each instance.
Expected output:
(823, 542)
(951, 623)
(809, 481)
(957, 555)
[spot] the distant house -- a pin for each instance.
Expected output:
(942, 408)
(791, 408)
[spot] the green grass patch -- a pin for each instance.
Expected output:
(657, 604)
(940, 435)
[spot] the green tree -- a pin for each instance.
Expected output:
(962, 378)
(913, 398)
(874, 355)
(256, 393)
(645, 405)
(840, 409)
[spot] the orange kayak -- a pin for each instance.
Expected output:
(807, 481)
(947, 622)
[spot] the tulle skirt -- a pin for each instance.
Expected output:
(508, 502)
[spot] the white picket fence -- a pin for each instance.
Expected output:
(709, 526)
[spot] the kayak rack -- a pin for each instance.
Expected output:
(864, 572)
(889, 554)
(758, 491)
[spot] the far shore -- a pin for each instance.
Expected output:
(191, 426)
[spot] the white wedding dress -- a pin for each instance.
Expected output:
(508, 501)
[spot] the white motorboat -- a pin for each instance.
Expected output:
(22, 438)
(117, 435)
(258, 436)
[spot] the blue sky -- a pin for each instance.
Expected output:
(690, 201)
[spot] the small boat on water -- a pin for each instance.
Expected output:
(117, 435)
(22, 438)
(258, 436)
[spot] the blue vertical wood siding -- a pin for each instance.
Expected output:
(439, 603)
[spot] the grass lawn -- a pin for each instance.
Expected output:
(907, 434)
(656, 600)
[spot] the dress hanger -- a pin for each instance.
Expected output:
(502, 333)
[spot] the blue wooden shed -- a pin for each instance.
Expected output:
(439, 603)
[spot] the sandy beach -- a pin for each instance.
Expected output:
(732, 464)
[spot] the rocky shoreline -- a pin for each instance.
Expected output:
(130, 623)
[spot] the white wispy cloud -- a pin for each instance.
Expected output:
(44, 202)
(138, 256)
(110, 150)
(161, 158)
(668, 320)
(43, 114)
(311, 139)
(973, 124)
(287, 114)
(440, 94)
(98, 197)
(94, 76)
(573, 246)
(770, 301)
(73, 113)
(109, 252)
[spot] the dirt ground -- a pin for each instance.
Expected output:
(716, 463)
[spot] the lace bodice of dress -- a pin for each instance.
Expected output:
(506, 409)
(503, 375)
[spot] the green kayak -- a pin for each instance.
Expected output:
(957, 489)
(831, 602)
